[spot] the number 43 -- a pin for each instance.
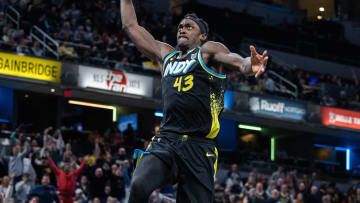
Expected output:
(188, 83)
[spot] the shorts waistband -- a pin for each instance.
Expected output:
(187, 138)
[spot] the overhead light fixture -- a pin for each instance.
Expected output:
(101, 106)
(321, 9)
(52, 90)
(319, 17)
(250, 127)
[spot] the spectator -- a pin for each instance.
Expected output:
(2, 19)
(314, 195)
(34, 199)
(67, 52)
(66, 31)
(84, 185)
(97, 181)
(24, 187)
(117, 183)
(45, 192)
(236, 188)
(302, 189)
(260, 195)
(278, 174)
(269, 83)
(129, 135)
(326, 199)
(88, 25)
(44, 23)
(80, 196)
(22, 48)
(120, 156)
(284, 194)
(233, 174)
(250, 184)
(299, 198)
(36, 51)
(8, 30)
(16, 161)
(80, 35)
(66, 179)
(7, 188)
(275, 197)
(8, 37)
(112, 50)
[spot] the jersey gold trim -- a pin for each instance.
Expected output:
(211, 72)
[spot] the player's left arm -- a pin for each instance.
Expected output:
(217, 52)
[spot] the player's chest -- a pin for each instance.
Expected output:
(179, 67)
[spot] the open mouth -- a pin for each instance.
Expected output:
(183, 37)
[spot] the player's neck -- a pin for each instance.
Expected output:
(184, 51)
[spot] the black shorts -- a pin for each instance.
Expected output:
(193, 162)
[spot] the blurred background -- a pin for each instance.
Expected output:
(291, 136)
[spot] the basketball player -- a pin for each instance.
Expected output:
(193, 93)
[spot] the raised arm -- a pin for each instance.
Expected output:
(53, 167)
(26, 151)
(83, 164)
(219, 53)
(143, 40)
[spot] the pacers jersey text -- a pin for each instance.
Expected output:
(193, 96)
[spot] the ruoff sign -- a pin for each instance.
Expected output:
(277, 108)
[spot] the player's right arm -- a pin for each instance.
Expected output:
(143, 40)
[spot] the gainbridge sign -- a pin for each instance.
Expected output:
(115, 81)
(30, 67)
(340, 117)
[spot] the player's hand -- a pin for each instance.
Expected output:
(258, 62)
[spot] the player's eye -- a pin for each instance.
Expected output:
(189, 27)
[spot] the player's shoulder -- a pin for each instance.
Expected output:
(212, 47)
(165, 49)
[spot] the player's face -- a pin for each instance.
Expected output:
(188, 34)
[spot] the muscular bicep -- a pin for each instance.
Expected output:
(219, 53)
(146, 44)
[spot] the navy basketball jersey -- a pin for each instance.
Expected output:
(193, 96)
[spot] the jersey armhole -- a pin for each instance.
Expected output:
(208, 70)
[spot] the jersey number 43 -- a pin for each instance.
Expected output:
(185, 85)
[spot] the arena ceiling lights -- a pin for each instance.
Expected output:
(101, 106)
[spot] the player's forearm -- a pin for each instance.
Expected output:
(240, 64)
(128, 15)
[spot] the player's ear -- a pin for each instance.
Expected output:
(203, 37)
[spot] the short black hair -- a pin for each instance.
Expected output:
(202, 20)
